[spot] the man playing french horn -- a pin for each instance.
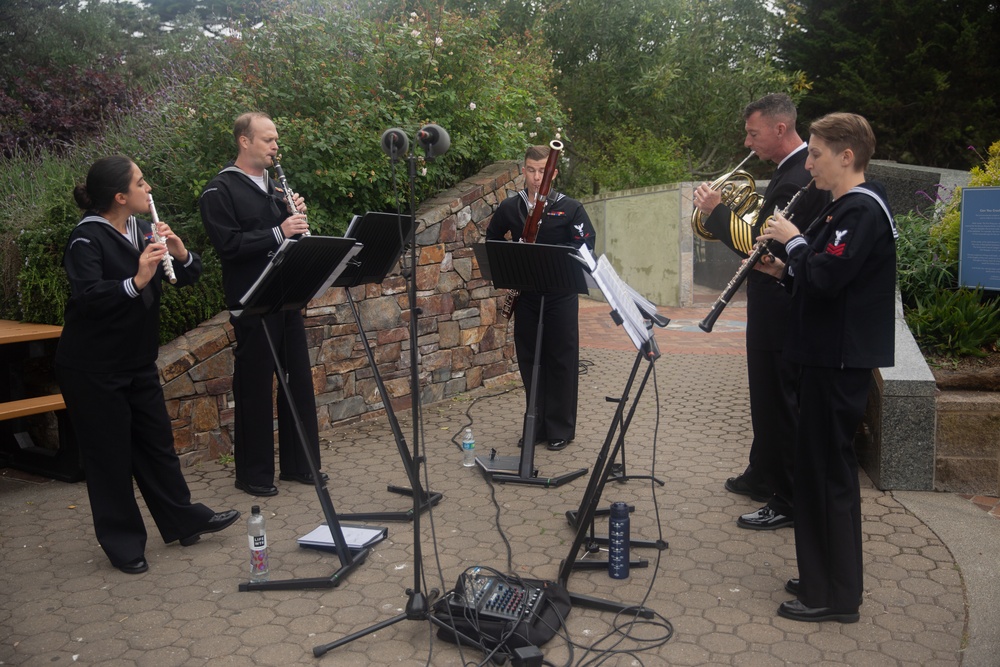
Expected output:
(771, 134)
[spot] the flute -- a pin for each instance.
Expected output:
(168, 261)
(289, 195)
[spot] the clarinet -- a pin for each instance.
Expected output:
(759, 250)
(289, 195)
(168, 261)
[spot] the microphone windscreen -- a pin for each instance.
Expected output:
(434, 137)
(395, 142)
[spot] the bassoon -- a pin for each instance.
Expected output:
(537, 208)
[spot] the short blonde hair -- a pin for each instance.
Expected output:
(241, 128)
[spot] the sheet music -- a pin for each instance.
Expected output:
(619, 296)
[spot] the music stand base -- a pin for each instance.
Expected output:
(547, 482)
(599, 604)
(429, 500)
(307, 583)
(603, 564)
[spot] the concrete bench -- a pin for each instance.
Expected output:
(897, 440)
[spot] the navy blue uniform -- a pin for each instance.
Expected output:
(243, 223)
(565, 222)
(106, 365)
(843, 279)
(772, 380)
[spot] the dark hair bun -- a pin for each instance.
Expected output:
(82, 197)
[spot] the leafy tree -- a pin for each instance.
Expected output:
(918, 70)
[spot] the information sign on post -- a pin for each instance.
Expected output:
(979, 244)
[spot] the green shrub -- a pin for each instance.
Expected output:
(955, 323)
(924, 264)
(334, 82)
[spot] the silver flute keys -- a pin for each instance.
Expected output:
(168, 261)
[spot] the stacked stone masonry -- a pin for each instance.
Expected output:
(463, 342)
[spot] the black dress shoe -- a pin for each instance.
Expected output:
(792, 586)
(741, 486)
(256, 490)
(301, 477)
(558, 444)
(764, 519)
(219, 521)
(137, 566)
(797, 611)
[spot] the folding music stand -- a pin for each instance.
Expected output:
(628, 314)
(542, 268)
(382, 236)
(301, 270)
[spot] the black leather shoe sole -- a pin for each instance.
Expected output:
(303, 478)
(219, 521)
(557, 445)
(255, 490)
(774, 523)
(797, 611)
(739, 486)
(137, 566)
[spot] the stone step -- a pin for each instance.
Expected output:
(968, 442)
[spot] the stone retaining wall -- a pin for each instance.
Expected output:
(463, 342)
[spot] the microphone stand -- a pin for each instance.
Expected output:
(418, 604)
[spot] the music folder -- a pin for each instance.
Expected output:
(317, 260)
(356, 536)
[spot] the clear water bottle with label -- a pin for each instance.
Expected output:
(468, 449)
(257, 536)
(618, 541)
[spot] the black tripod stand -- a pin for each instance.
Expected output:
(382, 236)
(540, 268)
(435, 141)
(299, 271)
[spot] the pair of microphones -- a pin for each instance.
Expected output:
(434, 139)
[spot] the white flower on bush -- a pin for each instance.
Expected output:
(532, 134)
(472, 106)
(415, 33)
(438, 41)
(520, 124)
(423, 172)
(538, 119)
(558, 135)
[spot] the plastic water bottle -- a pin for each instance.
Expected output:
(618, 541)
(257, 536)
(468, 449)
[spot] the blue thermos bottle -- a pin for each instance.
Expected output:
(618, 539)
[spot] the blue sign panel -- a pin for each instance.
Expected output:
(979, 244)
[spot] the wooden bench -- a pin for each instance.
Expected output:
(31, 406)
(20, 341)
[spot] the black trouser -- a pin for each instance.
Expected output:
(123, 430)
(827, 491)
(253, 381)
(774, 413)
(559, 366)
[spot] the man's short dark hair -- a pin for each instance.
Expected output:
(775, 105)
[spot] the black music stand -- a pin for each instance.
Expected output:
(301, 270)
(534, 267)
(639, 323)
(382, 236)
